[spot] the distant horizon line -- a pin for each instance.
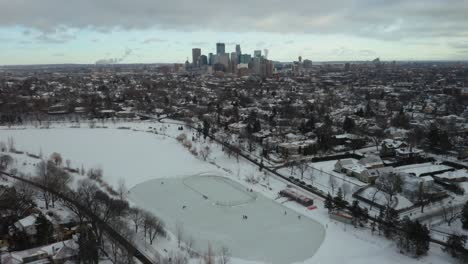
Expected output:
(169, 63)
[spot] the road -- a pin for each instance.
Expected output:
(138, 254)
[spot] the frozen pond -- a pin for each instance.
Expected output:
(133, 156)
(267, 235)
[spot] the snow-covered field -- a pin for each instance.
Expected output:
(131, 155)
(268, 234)
(139, 157)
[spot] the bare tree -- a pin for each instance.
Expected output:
(122, 189)
(154, 227)
(332, 183)
(374, 196)
(43, 179)
(95, 174)
(450, 213)
(99, 204)
(176, 258)
(390, 184)
(302, 166)
(346, 189)
(209, 255)
(11, 144)
(68, 162)
(189, 243)
(179, 233)
(118, 253)
(137, 216)
(5, 161)
(56, 158)
(423, 196)
(3, 147)
(224, 255)
(205, 152)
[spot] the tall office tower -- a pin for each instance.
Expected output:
(265, 51)
(257, 53)
(196, 53)
(238, 49)
(203, 60)
(245, 58)
(210, 58)
(234, 58)
(234, 61)
(220, 48)
(238, 52)
(300, 59)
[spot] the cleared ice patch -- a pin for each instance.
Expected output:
(214, 189)
(271, 233)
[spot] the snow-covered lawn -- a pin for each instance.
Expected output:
(139, 156)
(398, 201)
(419, 169)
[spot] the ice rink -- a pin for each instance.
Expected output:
(267, 235)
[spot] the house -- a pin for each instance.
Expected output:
(57, 253)
(371, 162)
(371, 175)
(389, 146)
(295, 147)
(350, 167)
(27, 225)
(409, 153)
(238, 127)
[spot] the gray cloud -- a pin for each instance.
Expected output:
(383, 19)
(199, 43)
(153, 40)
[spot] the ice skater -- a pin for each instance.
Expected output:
(285, 213)
(183, 207)
(299, 217)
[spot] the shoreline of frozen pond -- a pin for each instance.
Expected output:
(271, 233)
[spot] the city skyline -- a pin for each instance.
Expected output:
(159, 32)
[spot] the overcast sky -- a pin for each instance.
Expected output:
(145, 31)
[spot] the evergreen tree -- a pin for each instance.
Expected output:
(433, 136)
(414, 237)
(401, 120)
(348, 124)
(369, 111)
(360, 112)
(88, 246)
(456, 245)
(391, 221)
(329, 203)
(338, 201)
(356, 212)
(206, 128)
(464, 216)
(44, 230)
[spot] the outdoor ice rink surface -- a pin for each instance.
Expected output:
(268, 235)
